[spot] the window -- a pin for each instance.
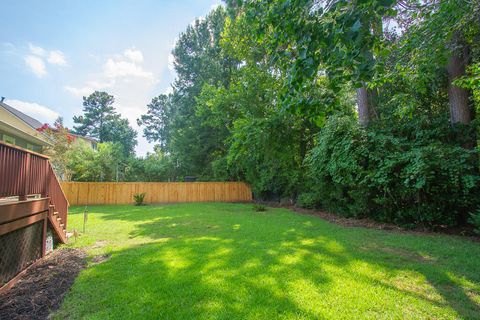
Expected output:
(30, 147)
(8, 139)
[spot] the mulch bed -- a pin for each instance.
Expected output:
(42, 288)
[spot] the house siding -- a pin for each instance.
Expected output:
(21, 142)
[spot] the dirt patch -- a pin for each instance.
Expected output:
(99, 244)
(42, 288)
(401, 253)
(100, 258)
(408, 255)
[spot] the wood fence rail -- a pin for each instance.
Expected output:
(89, 193)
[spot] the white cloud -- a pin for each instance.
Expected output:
(38, 57)
(79, 92)
(119, 68)
(126, 67)
(36, 50)
(124, 76)
(35, 110)
(57, 57)
(89, 88)
(36, 65)
(134, 55)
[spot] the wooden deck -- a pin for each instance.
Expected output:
(32, 204)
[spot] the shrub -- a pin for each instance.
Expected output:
(377, 173)
(337, 167)
(139, 197)
(308, 200)
(475, 221)
(259, 207)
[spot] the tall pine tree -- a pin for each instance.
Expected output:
(102, 122)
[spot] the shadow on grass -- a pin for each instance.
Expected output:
(237, 265)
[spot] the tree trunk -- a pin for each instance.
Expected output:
(458, 97)
(366, 102)
(367, 98)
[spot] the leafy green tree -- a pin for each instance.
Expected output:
(87, 164)
(360, 107)
(98, 112)
(442, 34)
(172, 120)
(61, 143)
(154, 166)
(156, 121)
(101, 121)
(118, 130)
(342, 39)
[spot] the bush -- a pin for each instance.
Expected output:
(308, 200)
(475, 221)
(259, 207)
(337, 167)
(376, 173)
(139, 197)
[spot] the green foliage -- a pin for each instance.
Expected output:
(101, 121)
(475, 221)
(308, 200)
(375, 173)
(61, 143)
(259, 207)
(104, 164)
(138, 198)
(172, 120)
(156, 120)
(265, 93)
(97, 111)
(471, 81)
(153, 167)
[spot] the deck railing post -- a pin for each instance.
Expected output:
(26, 186)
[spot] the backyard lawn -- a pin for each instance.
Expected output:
(226, 261)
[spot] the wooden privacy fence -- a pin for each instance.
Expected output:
(83, 193)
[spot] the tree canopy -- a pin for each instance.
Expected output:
(102, 122)
(366, 108)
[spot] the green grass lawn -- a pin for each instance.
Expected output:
(225, 261)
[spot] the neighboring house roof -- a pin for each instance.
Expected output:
(34, 123)
(22, 124)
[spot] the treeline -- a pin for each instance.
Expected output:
(108, 153)
(365, 108)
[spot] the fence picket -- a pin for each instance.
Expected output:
(84, 193)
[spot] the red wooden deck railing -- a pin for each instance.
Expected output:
(24, 173)
(57, 197)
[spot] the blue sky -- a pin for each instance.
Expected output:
(54, 52)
